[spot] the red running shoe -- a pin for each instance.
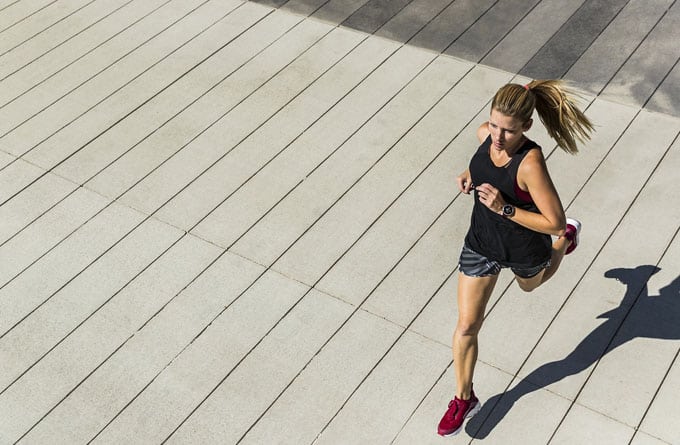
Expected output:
(458, 411)
(572, 232)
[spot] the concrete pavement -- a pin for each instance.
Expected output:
(236, 222)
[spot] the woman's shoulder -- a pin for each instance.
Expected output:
(483, 132)
(532, 161)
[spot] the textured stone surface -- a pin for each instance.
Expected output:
(226, 220)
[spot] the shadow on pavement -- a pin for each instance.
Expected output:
(645, 316)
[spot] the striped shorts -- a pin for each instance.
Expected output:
(474, 264)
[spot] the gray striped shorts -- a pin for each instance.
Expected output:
(474, 264)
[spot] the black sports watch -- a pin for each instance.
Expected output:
(508, 210)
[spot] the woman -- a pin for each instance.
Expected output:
(516, 210)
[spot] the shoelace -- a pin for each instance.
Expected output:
(450, 412)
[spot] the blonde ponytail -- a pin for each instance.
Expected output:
(555, 106)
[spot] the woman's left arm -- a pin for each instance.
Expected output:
(533, 177)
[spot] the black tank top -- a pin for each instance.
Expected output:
(494, 236)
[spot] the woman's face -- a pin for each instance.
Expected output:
(506, 132)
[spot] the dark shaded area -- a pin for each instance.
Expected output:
(374, 14)
(490, 29)
(638, 315)
(572, 40)
(472, 29)
(412, 19)
(450, 23)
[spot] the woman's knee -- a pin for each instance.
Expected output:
(468, 327)
(527, 285)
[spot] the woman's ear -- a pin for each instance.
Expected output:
(527, 125)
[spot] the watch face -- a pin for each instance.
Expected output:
(508, 210)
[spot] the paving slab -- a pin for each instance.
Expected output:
(120, 131)
(175, 394)
(663, 287)
(641, 438)
(639, 77)
(26, 343)
(6, 3)
(395, 387)
(374, 14)
(528, 36)
(388, 239)
(336, 11)
(100, 335)
(608, 53)
(26, 68)
(476, 42)
(16, 176)
(46, 232)
(255, 387)
(411, 284)
(29, 47)
(299, 414)
(565, 47)
(314, 59)
(532, 418)
(228, 222)
(256, 57)
(411, 19)
(37, 23)
(298, 7)
(583, 425)
(664, 99)
(42, 279)
(6, 159)
(437, 320)
(610, 121)
(145, 355)
(19, 11)
(656, 422)
(31, 203)
(119, 61)
(281, 227)
(115, 106)
(234, 174)
(450, 24)
(43, 20)
(107, 98)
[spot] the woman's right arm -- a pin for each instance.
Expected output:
(464, 180)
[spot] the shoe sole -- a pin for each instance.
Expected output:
(577, 225)
(472, 412)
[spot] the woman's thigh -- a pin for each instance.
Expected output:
(473, 295)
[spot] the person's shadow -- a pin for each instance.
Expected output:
(645, 316)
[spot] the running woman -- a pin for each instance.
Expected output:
(516, 210)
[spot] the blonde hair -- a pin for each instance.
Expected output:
(556, 108)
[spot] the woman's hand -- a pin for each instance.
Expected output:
(464, 182)
(491, 197)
